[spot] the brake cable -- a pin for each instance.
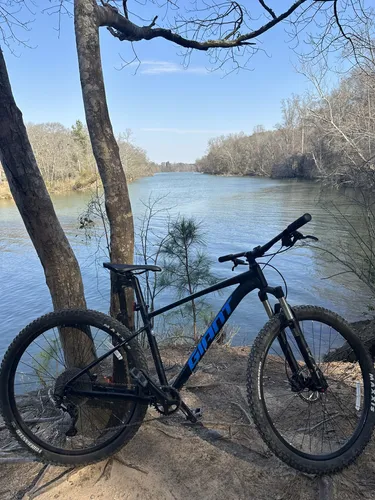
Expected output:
(282, 277)
(286, 241)
(289, 242)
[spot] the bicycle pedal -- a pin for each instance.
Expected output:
(191, 414)
(197, 412)
(139, 377)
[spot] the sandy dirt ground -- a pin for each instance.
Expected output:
(169, 459)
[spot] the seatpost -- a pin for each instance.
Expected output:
(120, 283)
(140, 300)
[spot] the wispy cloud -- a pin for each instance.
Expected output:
(186, 131)
(166, 67)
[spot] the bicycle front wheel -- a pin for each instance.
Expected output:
(315, 432)
(71, 429)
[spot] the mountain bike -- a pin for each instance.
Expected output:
(75, 386)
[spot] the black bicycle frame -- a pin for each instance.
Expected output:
(247, 282)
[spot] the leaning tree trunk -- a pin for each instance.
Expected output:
(104, 145)
(29, 191)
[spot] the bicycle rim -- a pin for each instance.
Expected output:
(315, 425)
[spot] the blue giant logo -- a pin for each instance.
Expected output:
(210, 334)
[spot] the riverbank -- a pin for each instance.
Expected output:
(297, 166)
(168, 459)
(286, 176)
(80, 184)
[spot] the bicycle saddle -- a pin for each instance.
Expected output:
(125, 268)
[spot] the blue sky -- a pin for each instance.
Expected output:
(172, 112)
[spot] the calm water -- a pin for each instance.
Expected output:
(237, 214)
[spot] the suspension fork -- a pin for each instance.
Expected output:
(315, 372)
(283, 342)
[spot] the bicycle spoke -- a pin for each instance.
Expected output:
(58, 342)
(47, 353)
(61, 360)
(51, 377)
(42, 364)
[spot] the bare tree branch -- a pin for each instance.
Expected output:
(268, 9)
(123, 29)
(341, 29)
(125, 5)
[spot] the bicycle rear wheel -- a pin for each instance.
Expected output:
(315, 432)
(71, 429)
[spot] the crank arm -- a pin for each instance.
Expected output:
(190, 414)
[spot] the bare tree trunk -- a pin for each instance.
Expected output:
(103, 142)
(29, 191)
(303, 138)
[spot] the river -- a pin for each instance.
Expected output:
(237, 213)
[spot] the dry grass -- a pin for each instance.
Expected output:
(85, 181)
(5, 193)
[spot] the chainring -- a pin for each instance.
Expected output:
(167, 409)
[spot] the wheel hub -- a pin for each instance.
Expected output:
(310, 396)
(303, 380)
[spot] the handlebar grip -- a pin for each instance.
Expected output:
(225, 258)
(299, 223)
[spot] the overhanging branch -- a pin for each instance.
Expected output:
(123, 29)
(268, 9)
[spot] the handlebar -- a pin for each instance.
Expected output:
(299, 223)
(230, 256)
(261, 250)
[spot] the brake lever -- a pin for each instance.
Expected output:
(311, 237)
(238, 262)
(289, 240)
(299, 236)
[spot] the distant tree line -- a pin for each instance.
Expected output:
(65, 157)
(326, 134)
(167, 166)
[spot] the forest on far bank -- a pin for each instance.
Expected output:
(66, 160)
(326, 133)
